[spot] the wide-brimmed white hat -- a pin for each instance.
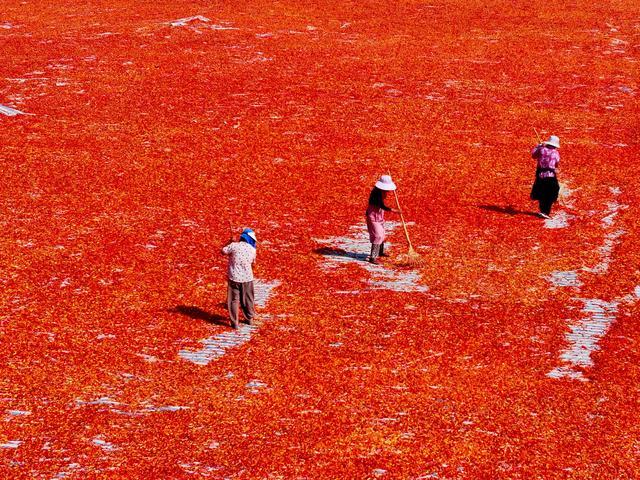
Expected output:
(553, 141)
(385, 183)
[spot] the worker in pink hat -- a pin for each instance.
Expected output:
(375, 216)
(546, 187)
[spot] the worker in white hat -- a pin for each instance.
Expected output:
(242, 255)
(375, 216)
(546, 187)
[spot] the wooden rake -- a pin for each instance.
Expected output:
(411, 258)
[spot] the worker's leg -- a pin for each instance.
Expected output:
(247, 302)
(233, 300)
(375, 253)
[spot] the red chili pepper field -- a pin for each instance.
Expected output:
(132, 133)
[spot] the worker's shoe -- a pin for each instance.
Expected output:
(375, 252)
(373, 261)
(544, 215)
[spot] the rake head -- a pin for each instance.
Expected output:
(410, 259)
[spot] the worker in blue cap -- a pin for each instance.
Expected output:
(242, 256)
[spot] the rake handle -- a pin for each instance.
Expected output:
(537, 135)
(230, 230)
(404, 225)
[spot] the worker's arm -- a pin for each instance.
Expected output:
(226, 250)
(535, 153)
(388, 209)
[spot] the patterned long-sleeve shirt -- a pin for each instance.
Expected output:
(241, 257)
(548, 160)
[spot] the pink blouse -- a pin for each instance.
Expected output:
(548, 160)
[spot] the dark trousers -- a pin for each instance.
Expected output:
(240, 295)
(549, 194)
(546, 191)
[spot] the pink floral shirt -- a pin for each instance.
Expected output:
(241, 257)
(548, 160)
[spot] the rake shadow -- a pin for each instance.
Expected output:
(508, 210)
(340, 253)
(198, 314)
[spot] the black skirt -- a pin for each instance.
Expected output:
(545, 189)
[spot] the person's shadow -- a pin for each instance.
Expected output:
(199, 314)
(508, 210)
(339, 252)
